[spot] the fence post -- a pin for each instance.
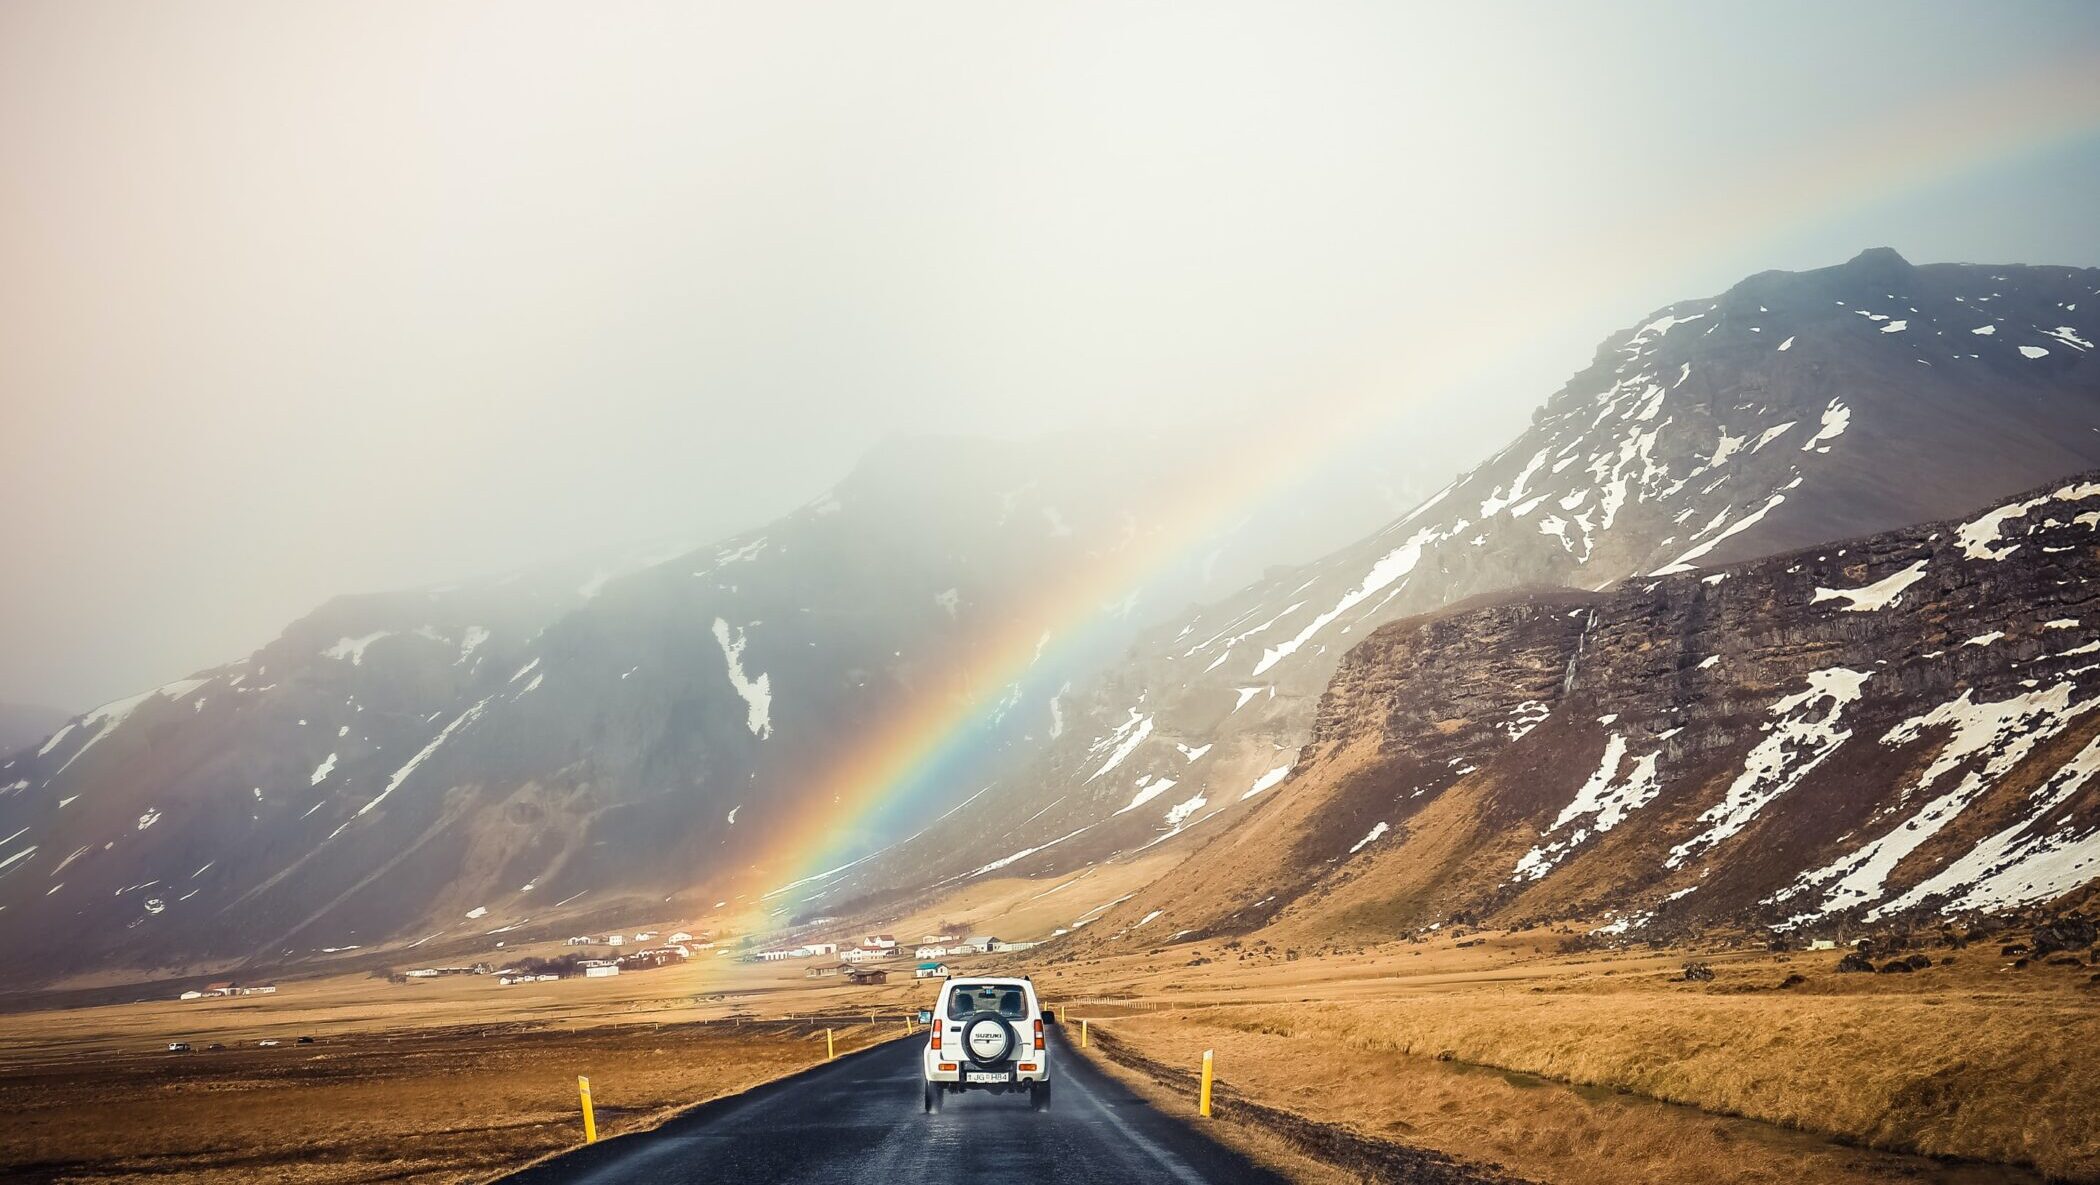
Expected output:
(1203, 1100)
(590, 1120)
(1082, 1032)
(830, 1051)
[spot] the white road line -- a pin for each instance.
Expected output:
(1174, 1165)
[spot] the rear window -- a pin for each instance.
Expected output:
(1003, 998)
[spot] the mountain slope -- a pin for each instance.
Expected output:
(446, 765)
(1901, 723)
(1794, 408)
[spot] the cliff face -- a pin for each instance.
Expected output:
(1898, 724)
(1792, 409)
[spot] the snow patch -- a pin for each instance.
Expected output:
(354, 648)
(1804, 732)
(1148, 788)
(1611, 794)
(1127, 737)
(1879, 595)
(1391, 567)
(757, 693)
(1988, 739)
(1836, 418)
(1373, 836)
(1267, 780)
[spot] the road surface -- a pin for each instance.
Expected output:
(858, 1120)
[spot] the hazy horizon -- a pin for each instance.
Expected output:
(304, 301)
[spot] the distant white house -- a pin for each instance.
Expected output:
(615, 940)
(600, 970)
(191, 995)
(965, 948)
(821, 948)
(580, 940)
(863, 954)
(930, 952)
(423, 973)
(782, 954)
(935, 939)
(644, 935)
(881, 941)
(930, 971)
(679, 936)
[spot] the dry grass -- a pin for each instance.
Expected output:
(1968, 1061)
(446, 1106)
(1944, 1077)
(1973, 1060)
(1529, 1126)
(432, 1081)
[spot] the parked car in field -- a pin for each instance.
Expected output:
(986, 1034)
(178, 1047)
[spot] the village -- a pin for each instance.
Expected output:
(856, 964)
(870, 960)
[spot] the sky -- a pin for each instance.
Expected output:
(305, 299)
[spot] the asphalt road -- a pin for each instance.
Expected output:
(858, 1120)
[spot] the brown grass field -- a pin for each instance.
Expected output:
(1570, 1068)
(438, 1081)
(1608, 1067)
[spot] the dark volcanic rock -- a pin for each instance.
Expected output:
(1861, 732)
(2071, 932)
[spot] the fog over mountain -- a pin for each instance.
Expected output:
(312, 300)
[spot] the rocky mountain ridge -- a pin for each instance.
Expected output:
(1792, 409)
(1897, 725)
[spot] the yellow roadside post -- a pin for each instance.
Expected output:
(829, 1051)
(1082, 1032)
(590, 1121)
(1203, 1100)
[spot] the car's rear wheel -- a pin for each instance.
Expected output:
(1039, 1097)
(933, 1098)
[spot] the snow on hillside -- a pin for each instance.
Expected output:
(1796, 407)
(1836, 767)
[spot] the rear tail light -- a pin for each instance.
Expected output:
(936, 1036)
(1039, 1034)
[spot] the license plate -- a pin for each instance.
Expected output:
(987, 1076)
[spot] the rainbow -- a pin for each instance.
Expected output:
(930, 735)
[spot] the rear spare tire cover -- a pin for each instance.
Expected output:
(987, 1038)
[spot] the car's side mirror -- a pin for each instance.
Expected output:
(925, 1016)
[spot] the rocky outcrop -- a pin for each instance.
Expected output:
(1792, 409)
(1897, 726)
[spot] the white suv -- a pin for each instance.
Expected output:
(987, 1034)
